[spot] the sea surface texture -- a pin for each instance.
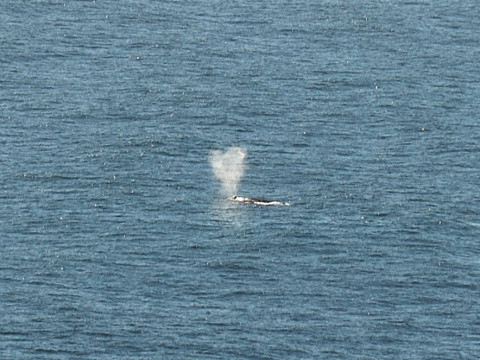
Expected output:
(116, 240)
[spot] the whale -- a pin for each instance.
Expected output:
(256, 201)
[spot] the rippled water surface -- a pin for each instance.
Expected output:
(116, 241)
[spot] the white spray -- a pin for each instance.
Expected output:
(228, 168)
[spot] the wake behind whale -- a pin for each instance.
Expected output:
(228, 168)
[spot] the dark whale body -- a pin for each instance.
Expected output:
(256, 201)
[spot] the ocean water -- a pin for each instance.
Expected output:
(116, 240)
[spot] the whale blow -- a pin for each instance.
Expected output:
(228, 168)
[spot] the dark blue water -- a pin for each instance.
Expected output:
(116, 243)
